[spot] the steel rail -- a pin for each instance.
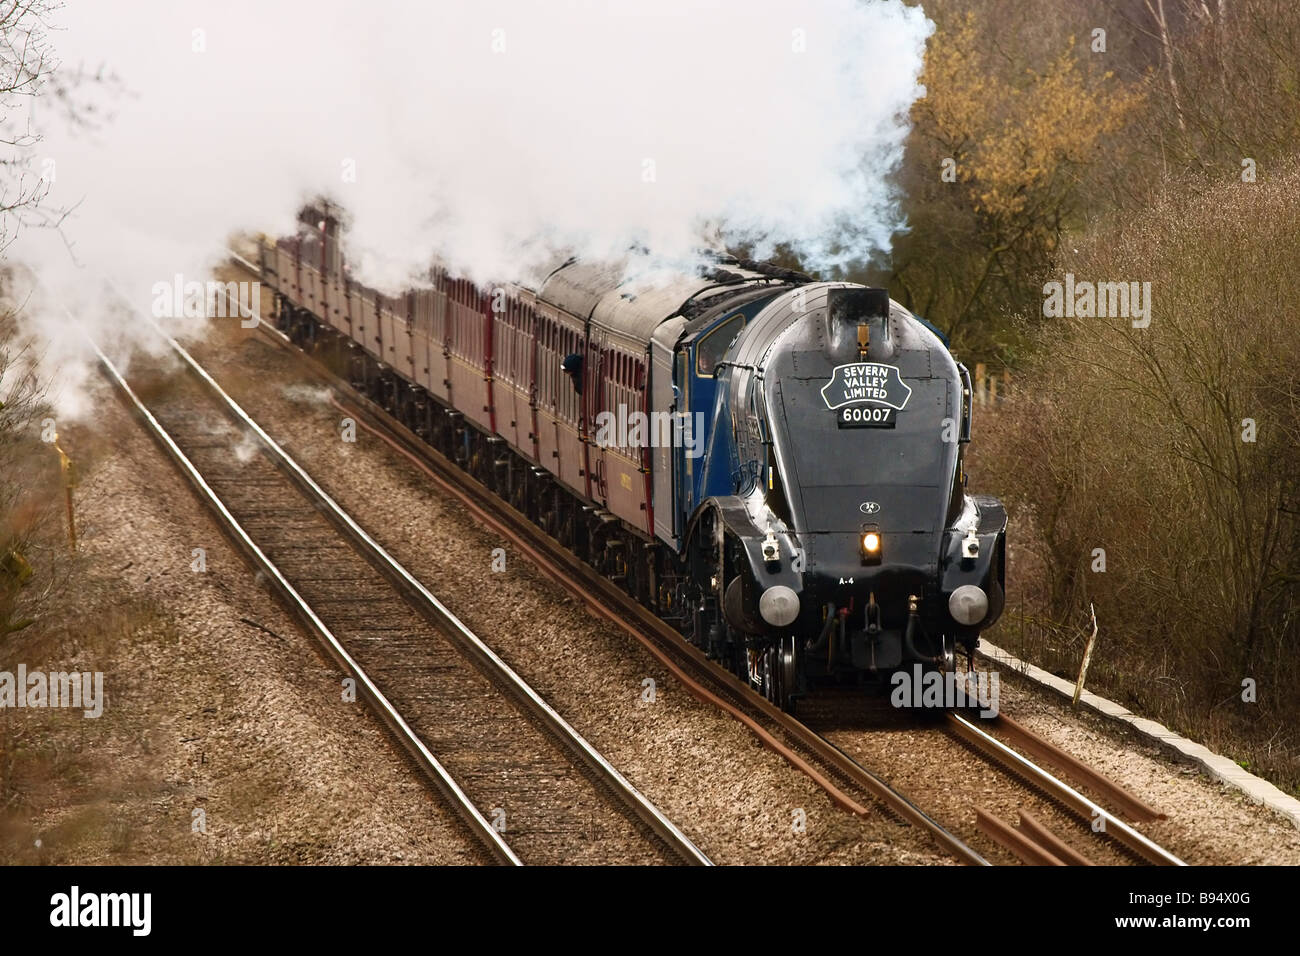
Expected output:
(378, 702)
(1057, 789)
(1026, 849)
(676, 840)
(1040, 833)
(1018, 735)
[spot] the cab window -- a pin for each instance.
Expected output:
(710, 349)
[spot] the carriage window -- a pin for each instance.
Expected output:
(711, 348)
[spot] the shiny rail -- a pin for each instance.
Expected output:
(487, 660)
(1062, 792)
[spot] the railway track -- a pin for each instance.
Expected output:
(525, 783)
(1069, 813)
(847, 781)
(1100, 819)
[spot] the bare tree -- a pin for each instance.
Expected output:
(1167, 46)
(26, 63)
(30, 71)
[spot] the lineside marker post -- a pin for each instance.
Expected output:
(69, 479)
(1087, 657)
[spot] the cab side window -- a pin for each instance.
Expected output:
(711, 348)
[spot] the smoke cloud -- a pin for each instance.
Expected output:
(484, 134)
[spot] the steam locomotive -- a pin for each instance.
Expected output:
(772, 464)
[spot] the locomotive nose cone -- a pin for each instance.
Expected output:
(779, 605)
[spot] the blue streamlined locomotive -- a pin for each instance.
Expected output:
(774, 465)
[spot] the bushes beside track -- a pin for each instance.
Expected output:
(1155, 472)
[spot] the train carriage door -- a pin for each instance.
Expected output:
(444, 319)
(488, 317)
(639, 382)
(548, 409)
(531, 384)
(376, 326)
(604, 404)
(593, 387)
(555, 389)
(662, 453)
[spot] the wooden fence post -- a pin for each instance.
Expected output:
(1087, 657)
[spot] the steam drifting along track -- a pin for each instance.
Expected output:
(485, 739)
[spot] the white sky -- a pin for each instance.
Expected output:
(468, 152)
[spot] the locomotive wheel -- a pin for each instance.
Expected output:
(789, 671)
(778, 673)
(783, 674)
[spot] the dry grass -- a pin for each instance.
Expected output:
(30, 489)
(64, 788)
(62, 784)
(1132, 441)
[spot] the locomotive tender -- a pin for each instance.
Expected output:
(772, 464)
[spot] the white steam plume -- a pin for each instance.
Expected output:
(481, 133)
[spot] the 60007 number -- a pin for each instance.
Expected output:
(865, 416)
